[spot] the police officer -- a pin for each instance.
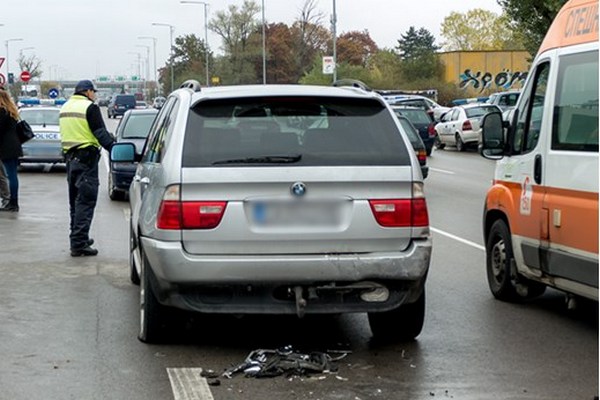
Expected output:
(83, 133)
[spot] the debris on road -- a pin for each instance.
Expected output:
(265, 363)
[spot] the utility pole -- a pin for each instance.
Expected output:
(334, 23)
(171, 30)
(205, 4)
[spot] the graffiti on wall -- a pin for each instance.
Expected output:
(484, 80)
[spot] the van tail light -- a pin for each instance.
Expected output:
(174, 214)
(466, 126)
(431, 130)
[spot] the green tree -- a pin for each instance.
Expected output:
(235, 27)
(188, 59)
(415, 43)
(531, 19)
(478, 29)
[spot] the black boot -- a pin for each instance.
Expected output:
(13, 206)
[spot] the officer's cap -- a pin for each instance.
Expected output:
(84, 85)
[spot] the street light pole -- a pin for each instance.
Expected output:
(171, 29)
(205, 4)
(154, 52)
(334, 23)
(264, 46)
(7, 59)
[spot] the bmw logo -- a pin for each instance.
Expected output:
(298, 189)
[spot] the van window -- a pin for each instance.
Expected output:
(309, 131)
(531, 112)
(127, 99)
(575, 124)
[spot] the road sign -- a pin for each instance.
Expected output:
(25, 76)
(53, 93)
(328, 65)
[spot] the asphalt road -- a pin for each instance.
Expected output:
(68, 326)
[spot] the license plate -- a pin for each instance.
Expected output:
(47, 136)
(297, 213)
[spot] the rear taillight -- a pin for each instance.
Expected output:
(174, 214)
(422, 156)
(466, 126)
(431, 130)
(400, 213)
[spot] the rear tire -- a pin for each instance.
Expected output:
(460, 145)
(401, 324)
(505, 282)
(134, 277)
(152, 313)
(437, 143)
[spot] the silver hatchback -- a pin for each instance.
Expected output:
(281, 200)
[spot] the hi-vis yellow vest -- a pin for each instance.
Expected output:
(74, 128)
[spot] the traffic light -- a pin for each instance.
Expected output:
(11, 78)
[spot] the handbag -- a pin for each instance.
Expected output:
(24, 131)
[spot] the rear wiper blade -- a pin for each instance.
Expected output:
(262, 160)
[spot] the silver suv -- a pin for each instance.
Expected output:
(278, 200)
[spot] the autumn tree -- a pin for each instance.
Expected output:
(478, 29)
(311, 38)
(355, 48)
(531, 19)
(31, 63)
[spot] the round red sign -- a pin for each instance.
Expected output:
(25, 76)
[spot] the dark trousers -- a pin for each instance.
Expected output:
(82, 178)
(10, 166)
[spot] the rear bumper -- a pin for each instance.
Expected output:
(264, 284)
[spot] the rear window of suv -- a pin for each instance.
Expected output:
(125, 99)
(303, 131)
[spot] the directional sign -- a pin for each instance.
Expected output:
(25, 76)
(53, 93)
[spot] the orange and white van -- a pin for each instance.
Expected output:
(540, 220)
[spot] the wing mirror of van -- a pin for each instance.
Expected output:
(123, 152)
(492, 141)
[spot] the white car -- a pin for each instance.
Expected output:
(45, 147)
(460, 126)
(433, 109)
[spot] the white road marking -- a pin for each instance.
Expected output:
(187, 384)
(459, 239)
(443, 171)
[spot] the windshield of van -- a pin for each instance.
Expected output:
(322, 131)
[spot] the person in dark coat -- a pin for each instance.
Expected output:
(10, 147)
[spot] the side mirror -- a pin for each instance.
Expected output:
(492, 141)
(122, 152)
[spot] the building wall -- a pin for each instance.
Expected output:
(484, 72)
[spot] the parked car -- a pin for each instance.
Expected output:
(119, 104)
(237, 210)
(133, 128)
(460, 127)
(158, 102)
(45, 147)
(434, 110)
(422, 121)
(413, 135)
(504, 100)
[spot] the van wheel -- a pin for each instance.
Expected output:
(401, 324)
(438, 143)
(505, 282)
(152, 313)
(460, 145)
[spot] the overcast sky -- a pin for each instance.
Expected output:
(78, 39)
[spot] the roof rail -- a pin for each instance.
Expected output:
(352, 83)
(192, 84)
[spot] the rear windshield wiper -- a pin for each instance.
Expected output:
(262, 160)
